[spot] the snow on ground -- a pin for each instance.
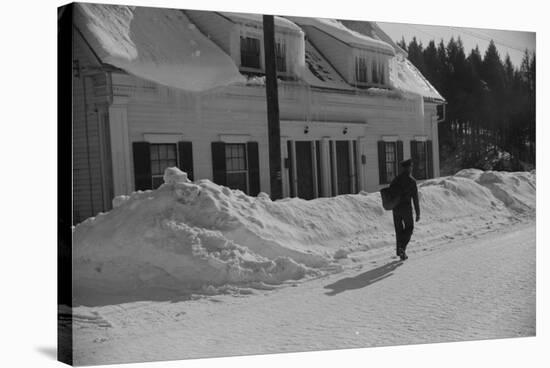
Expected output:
(200, 237)
(471, 288)
(156, 44)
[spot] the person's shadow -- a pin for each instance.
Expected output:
(364, 279)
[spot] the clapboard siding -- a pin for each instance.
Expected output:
(201, 126)
(242, 110)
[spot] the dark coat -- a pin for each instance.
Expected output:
(405, 187)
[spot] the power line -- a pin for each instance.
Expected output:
(486, 38)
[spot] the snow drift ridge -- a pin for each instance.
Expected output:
(189, 235)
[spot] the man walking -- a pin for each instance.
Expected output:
(404, 187)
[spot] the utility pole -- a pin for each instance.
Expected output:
(272, 96)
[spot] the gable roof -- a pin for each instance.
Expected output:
(164, 46)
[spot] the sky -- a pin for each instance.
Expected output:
(513, 43)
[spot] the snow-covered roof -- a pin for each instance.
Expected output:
(320, 73)
(256, 20)
(159, 45)
(350, 37)
(371, 29)
(164, 46)
(406, 77)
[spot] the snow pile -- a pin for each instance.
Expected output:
(159, 45)
(516, 190)
(191, 235)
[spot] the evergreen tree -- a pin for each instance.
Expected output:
(491, 104)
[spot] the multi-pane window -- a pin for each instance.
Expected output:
(236, 166)
(162, 157)
(420, 160)
(280, 56)
(375, 73)
(250, 52)
(361, 70)
(391, 160)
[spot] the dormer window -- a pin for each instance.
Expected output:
(280, 56)
(370, 70)
(361, 70)
(250, 52)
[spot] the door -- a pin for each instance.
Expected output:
(343, 163)
(304, 169)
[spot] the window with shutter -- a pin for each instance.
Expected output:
(236, 166)
(390, 160)
(361, 75)
(420, 159)
(250, 52)
(280, 56)
(162, 156)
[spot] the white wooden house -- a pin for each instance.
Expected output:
(351, 105)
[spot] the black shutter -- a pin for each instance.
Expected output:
(430, 159)
(142, 165)
(414, 156)
(185, 153)
(382, 162)
(253, 168)
(218, 163)
(399, 152)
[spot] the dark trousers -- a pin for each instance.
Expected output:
(404, 225)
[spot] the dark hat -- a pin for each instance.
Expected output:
(406, 163)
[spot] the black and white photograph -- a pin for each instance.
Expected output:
(238, 183)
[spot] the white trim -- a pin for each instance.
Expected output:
(313, 146)
(234, 138)
(339, 123)
(160, 138)
(390, 138)
(325, 167)
(294, 183)
(352, 157)
(120, 150)
(421, 138)
(334, 173)
(285, 170)
(361, 167)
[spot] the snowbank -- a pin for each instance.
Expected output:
(156, 44)
(190, 235)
